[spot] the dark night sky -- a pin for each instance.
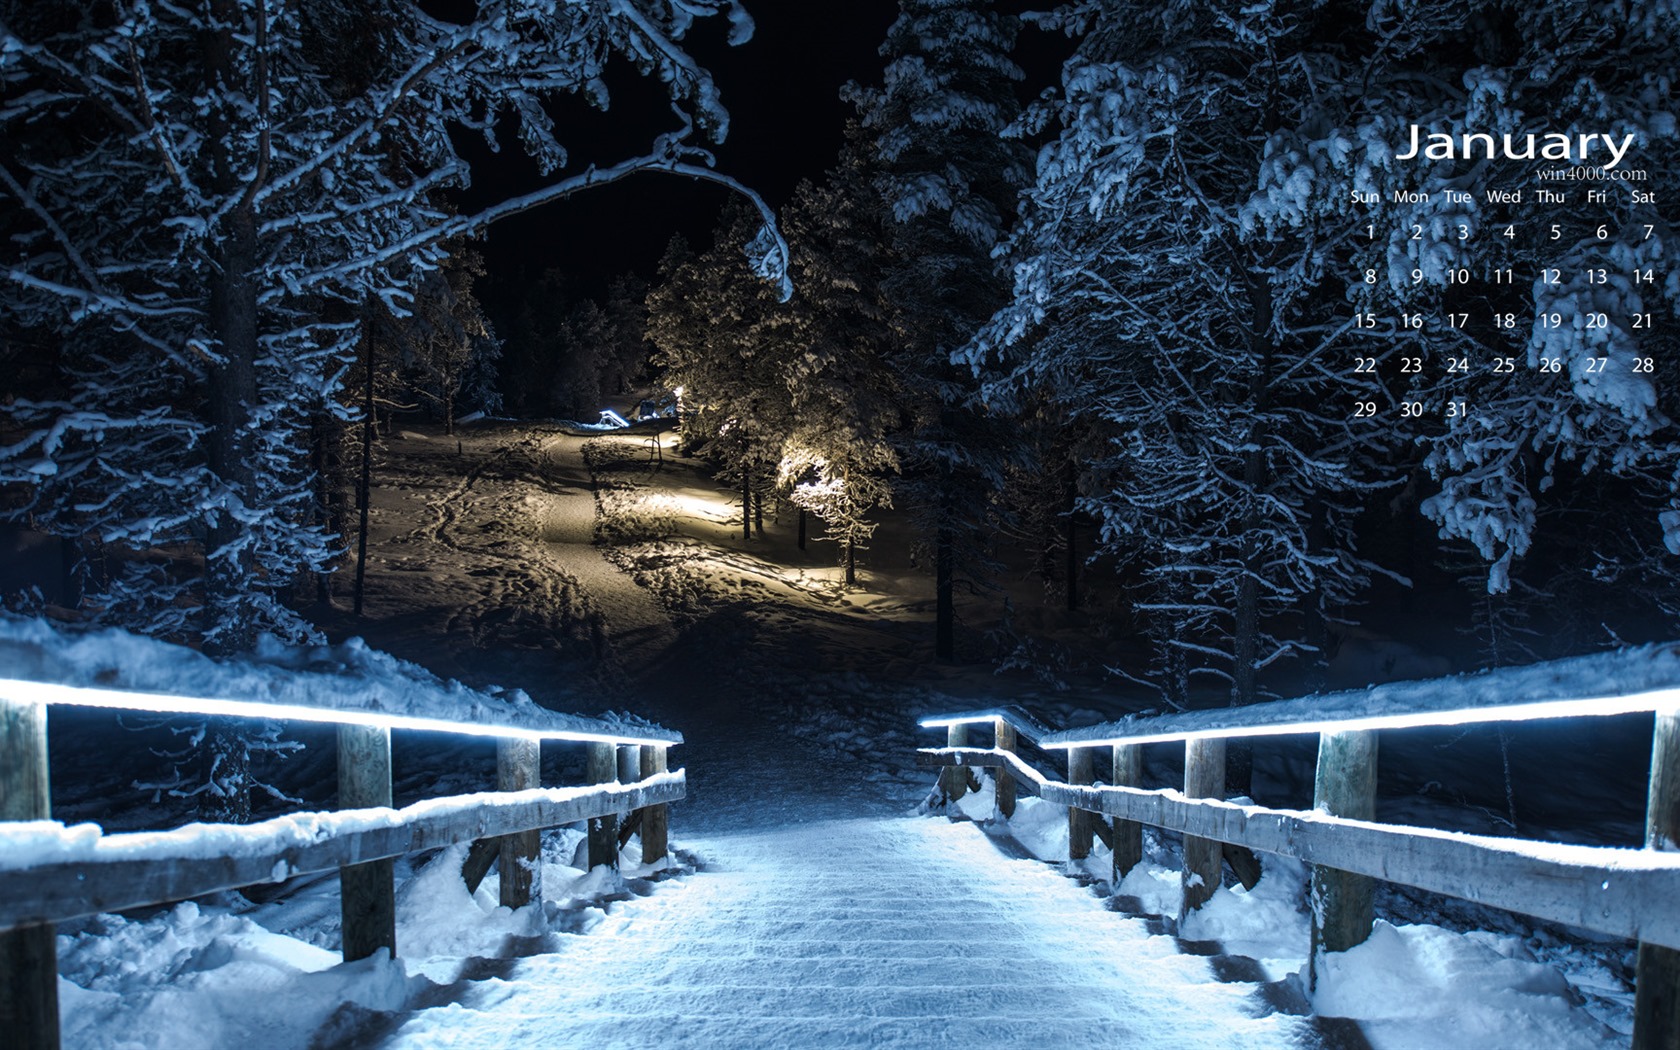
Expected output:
(782, 89)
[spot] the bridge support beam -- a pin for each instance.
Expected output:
(1081, 823)
(1127, 834)
(28, 956)
(1344, 785)
(519, 768)
(956, 777)
(1004, 739)
(1656, 1009)
(1204, 859)
(367, 893)
(602, 768)
(656, 820)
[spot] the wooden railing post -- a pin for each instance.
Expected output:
(1127, 834)
(28, 956)
(367, 893)
(602, 768)
(656, 820)
(1204, 777)
(519, 768)
(956, 777)
(1081, 770)
(1003, 739)
(1345, 785)
(1656, 1008)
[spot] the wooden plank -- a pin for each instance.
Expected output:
(1004, 739)
(1081, 770)
(518, 768)
(1625, 893)
(656, 820)
(955, 779)
(982, 758)
(367, 891)
(1342, 903)
(1127, 834)
(1656, 1007)
(480, 856)
(144, 868)
(28, 956)
(1204, 858)
(1643, 677)
(601, 767)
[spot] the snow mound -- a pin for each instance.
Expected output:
(1408, 984)
(213, 978)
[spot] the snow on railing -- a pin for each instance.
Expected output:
(1632, 893)
(50, 873)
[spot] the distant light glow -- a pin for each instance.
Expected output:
(163, 703)
(1664, 700)
(701, 505)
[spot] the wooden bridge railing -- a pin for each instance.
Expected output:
(49, 874)
(1632, 893)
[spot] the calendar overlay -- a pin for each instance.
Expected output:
(1540, 264)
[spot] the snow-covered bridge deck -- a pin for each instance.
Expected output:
(864, 932)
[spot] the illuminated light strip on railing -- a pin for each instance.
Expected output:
(959, 720)
(1657, 700)
(28, 692)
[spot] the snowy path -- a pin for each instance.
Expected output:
(881, 932)
(635, 626)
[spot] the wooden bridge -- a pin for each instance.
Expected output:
(928, 941)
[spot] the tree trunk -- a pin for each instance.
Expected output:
(1070, 507)
(944, 568)
(231, 387)
(230, 392)
(746, 500)
(226, 758)
(1256, 479)
(801, 528)
(851, 563)
(364, 481)
(1315, 628)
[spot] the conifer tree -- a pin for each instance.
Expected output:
(240, 180)
(1192, 325)
(947, 178)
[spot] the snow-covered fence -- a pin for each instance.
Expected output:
(1633, 893)
(50, 873)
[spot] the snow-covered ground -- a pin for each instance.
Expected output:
(576, 567)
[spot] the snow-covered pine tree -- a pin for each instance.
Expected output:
(836, 331)
(583, 359)
(626, 316)
(203, 239)
(1191, 318)
(708, 318)
(445, 336)
(948, 178)
(1565, 366)
(199, 198)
